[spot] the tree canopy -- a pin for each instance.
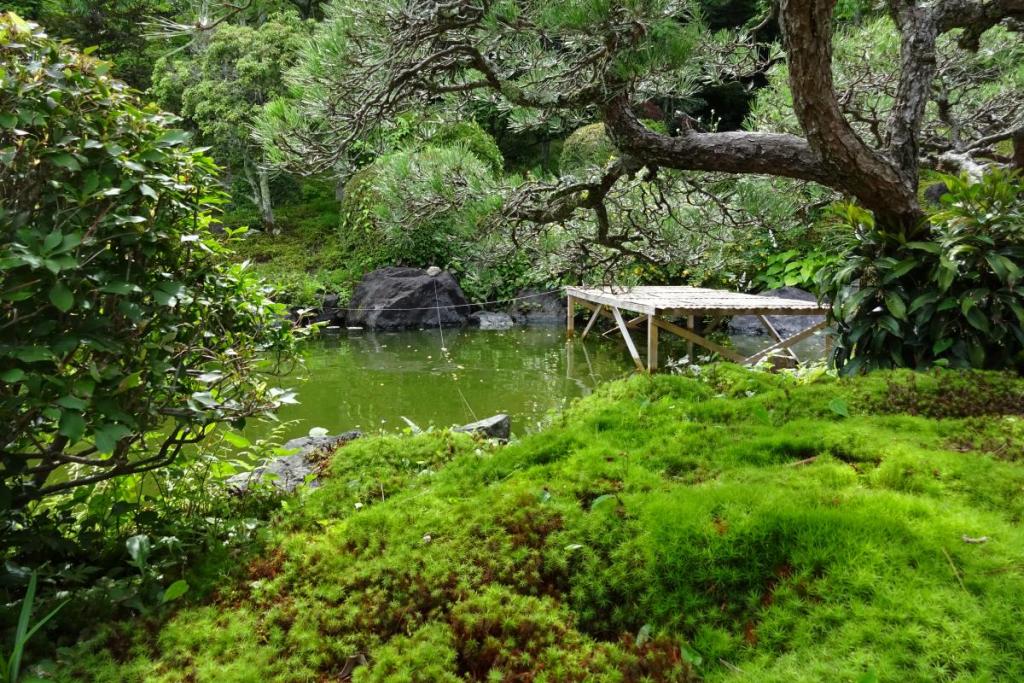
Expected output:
(579, 58)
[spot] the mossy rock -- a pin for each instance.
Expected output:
(586, 148)
(477, 141)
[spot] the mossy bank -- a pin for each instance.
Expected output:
(734, 526)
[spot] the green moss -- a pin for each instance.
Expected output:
(306, 258)
(586, 148)
(665, 528)
(474, 139)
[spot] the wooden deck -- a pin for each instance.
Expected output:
(654, 304)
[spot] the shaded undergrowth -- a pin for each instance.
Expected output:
(740, 526)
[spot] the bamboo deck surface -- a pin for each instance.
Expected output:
(693, 301)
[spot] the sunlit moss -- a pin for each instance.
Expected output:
(665, 528)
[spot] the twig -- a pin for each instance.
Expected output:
(956, 572)
(730, 667)
(805, 461)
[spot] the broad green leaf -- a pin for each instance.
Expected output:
(174, 591)
(61, 297)
(53, 240)
(13, 375)
(894, 302)
(172, 138)
(976, 317)
(65, 160)
(106, 437)
(941, 345)
(72, 402)
(839, 407)
(237, 440)
(72, 425)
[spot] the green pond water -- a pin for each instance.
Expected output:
(371, 380)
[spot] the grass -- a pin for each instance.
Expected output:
(734, 527)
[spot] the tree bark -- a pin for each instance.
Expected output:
(266, 206)
(259, 185)
(880, 185)
(832, 153)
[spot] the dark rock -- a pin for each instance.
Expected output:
(488, 320)
(787, 325)
(933, 193)
(494, 427)
(539, 308)
(290, 471)
(401, 298)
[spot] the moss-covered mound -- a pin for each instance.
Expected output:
(736, 527)
(586, 149)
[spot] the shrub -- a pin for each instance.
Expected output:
(416, 208)
(948, 296)
(128, 331)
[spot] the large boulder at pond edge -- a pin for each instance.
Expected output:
(290, 471)
(539, 308)
(787, 325)
(398, 298)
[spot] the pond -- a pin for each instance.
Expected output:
(371, 380)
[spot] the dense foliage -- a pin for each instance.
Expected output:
(949, 295)
(219, 87)
(737, 526)
(127, 329)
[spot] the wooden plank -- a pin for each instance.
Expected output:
(632, 323)
(570, 315)
(788, 341)
(609, 300)
(652, 344)
(695, 301)
(697, 339)
(593, 319)
(629, 340)
(689, 345)
(776, 336)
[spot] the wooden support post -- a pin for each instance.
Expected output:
(593, 319)
(632, 323)
(629, 340)
(788, 341)
(652, 344)
(689, 344)
(570, 314)
(776, 336)
(697, 339)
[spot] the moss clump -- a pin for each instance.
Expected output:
(586, 149)
(663, 529)
(474, 139)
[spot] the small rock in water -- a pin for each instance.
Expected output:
(488, 320)
(494, 427)
(433, 270)
(290, 471)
